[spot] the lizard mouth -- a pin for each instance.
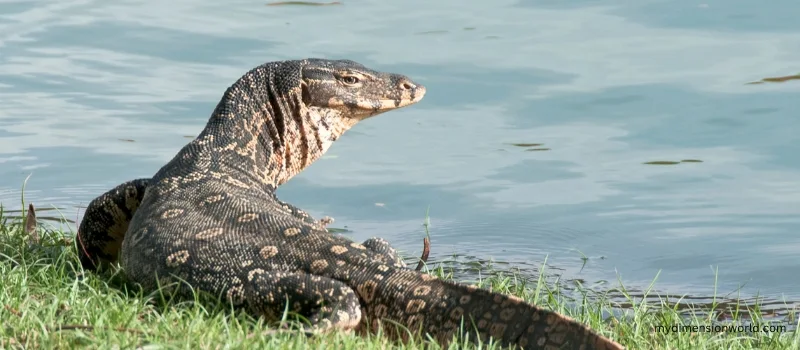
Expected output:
(406, 98)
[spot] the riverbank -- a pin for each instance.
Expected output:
(48, 301)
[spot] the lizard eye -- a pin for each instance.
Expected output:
(350, 80)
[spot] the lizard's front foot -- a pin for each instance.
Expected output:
(325, 221)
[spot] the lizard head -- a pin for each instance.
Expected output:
(355, 92)
(286, 114)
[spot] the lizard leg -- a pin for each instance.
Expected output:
(324, 302)
(375, 244)
(382, 247)
(303, 215)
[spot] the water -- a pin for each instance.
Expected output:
(603, 86)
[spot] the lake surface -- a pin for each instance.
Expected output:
(94, 93)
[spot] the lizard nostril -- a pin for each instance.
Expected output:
(406, 85)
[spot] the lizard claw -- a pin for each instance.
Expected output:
(325, 221)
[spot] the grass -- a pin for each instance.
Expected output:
(48, 301)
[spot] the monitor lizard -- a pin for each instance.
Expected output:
(210, 218)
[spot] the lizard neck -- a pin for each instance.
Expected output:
(266, 132)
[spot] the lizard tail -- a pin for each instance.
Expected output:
(105, 222)
(443, 309)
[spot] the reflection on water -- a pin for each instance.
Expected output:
(777, 79)
(671, 162)
(541, 134)
(303, 3)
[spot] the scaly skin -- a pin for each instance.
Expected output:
(210, 218)
(107, 218)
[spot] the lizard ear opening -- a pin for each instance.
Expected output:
(305, 95)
